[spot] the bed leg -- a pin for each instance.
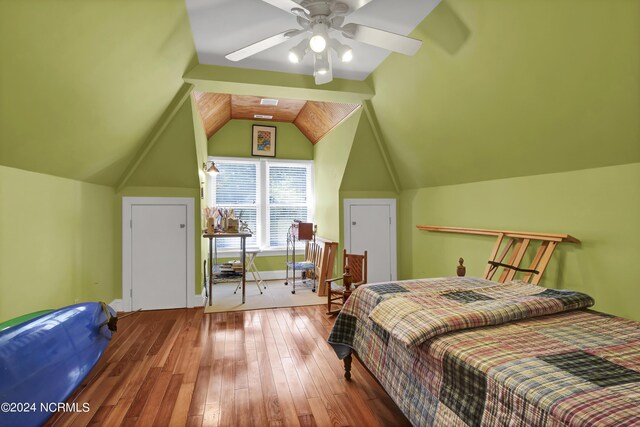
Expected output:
(347, 367)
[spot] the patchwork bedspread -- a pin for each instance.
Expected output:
(573, 368)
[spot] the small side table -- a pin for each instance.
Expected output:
(243, 249)
(251, 268)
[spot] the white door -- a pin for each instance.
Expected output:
(370, 226)
(158, 256)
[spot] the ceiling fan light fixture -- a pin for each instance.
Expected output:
(347, 56)
(345, 53)
(298, 52)
(318, 42)
(293, 57)
(322, 64)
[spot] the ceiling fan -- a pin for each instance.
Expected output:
(320, 18)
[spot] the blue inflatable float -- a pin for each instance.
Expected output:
(44, 359)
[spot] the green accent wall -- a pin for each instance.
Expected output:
(365, 177)
(83, 83)
(599, 206)
(234, 140)
(331, 155)
(172, 161)
(57, 244)
(170, 169)
(537, 87)
(365, 170)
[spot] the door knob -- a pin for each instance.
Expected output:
(183, 225)
(353, 223)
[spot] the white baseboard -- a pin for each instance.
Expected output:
(116, 304)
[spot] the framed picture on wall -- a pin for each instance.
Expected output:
(263, 142)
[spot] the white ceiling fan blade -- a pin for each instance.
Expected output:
(355, 4)
(265, 44)
(285, 5)
(380, 38)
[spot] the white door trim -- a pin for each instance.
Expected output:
(127, 207)
(392, 227)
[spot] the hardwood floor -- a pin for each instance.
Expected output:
(261, 368)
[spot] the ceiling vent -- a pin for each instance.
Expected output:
(262, 116)
(269, 102)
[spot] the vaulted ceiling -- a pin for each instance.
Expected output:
(499, 88)
(83, 83)
(313, 118)
(536, 87)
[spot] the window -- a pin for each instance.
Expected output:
(267, 194)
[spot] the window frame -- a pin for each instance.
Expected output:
(262, 203)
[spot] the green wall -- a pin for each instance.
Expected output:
(83, 83)
(172, 160)
(170, 169)
(234, 140)
(56, 242)
(537, 87)
(331, 155)
(599, 206)
(365, 177)
(365, 170)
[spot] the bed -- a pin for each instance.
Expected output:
(471, 352)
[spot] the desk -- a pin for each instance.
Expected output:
(243, 247)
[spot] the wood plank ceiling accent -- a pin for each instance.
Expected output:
(244, 108)
(215, 110)
(314, 119)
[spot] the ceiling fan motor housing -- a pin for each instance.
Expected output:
(317, 8)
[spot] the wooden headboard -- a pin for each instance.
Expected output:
(514, 245)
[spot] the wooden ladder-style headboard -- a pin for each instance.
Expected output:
(514, 245)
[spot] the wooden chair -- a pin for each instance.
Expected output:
(354, 274)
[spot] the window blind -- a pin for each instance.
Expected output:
(267, 194)
(237, 187)
(288, 199)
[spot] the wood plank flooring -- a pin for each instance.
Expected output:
(254, 368)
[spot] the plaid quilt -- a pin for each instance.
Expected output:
(414, 317)
(575, 368)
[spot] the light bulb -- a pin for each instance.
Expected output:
(293, 57)
(345, 53)
(297, 53)
(347, 56)
(318, 43)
